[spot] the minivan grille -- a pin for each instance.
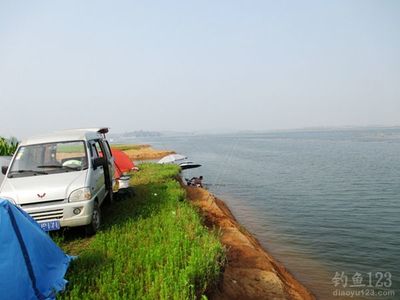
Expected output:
(47, 215)
(41, 203)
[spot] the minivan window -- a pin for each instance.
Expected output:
(107, 148)
(49, 158)
(97, 149)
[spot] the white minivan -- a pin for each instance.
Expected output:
(62, 179)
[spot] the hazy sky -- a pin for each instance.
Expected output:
(198, 65)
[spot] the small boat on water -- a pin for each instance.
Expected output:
(189, 165)
(179, 160)
(172, 159)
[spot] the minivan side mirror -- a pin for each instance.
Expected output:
(4, 169)
(98, 162)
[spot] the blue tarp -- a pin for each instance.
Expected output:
(32, 266)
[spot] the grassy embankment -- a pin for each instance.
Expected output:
(124, 147)
(151, 246)
(142, 152)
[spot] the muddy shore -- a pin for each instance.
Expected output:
(250, 272)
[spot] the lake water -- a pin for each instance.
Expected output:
(320, 201)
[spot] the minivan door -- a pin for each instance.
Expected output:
(109, 172)
(97, 179)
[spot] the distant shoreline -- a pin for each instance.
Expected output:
(161, 134)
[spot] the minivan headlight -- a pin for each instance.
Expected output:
(80, 195)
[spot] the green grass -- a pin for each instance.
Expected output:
(152, 246)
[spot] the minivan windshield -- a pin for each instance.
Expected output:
(49, 158)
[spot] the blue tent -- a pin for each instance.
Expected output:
(32, 266)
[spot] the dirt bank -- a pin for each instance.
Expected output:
(250, 272)
(145, 152)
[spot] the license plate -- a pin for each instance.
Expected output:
(50, 225)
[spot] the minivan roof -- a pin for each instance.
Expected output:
(67, 135)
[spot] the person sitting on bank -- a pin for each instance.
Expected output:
(198, 181)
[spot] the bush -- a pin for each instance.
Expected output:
(8, 147)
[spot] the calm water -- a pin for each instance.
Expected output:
(320, 202)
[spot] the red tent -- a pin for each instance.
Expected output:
(122, 162)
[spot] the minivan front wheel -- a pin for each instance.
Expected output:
(96, 220)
